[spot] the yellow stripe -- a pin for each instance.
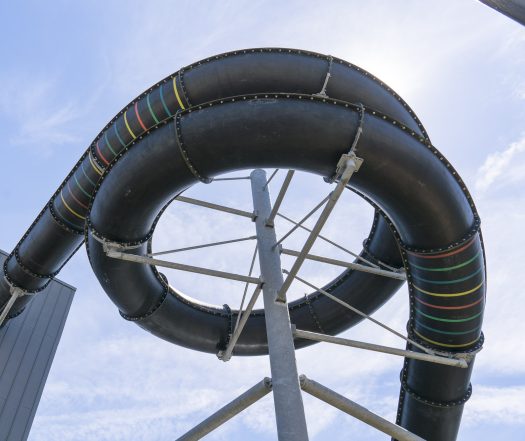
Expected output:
(94, 165)
(444, 344)
(456, 294)
(177, 94)
(127, 125)
(69, 208)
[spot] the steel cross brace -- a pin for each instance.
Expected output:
(317, 390)
(346, 167)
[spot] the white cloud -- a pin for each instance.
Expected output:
(503, 167)
(500, 405)
(37, 121)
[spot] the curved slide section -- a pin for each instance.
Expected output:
(58, 230)
(287, 109)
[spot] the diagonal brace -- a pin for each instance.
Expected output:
(349, 164)
(399, 275)
(227, 354)
(342, 403)
(227, 412)
(313, 336)
(111, 252)
(15, 294)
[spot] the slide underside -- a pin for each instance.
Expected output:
(288, 109)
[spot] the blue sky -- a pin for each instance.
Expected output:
(68, 67)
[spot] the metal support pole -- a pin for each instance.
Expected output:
(361, 413)
(227, 412)
(349, 164)
(288, 402)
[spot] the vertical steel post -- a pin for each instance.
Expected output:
(288, 401)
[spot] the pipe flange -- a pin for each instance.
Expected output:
(136, 318)
(435, 403)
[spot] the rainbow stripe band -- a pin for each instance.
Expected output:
(108, 144)
(446, 345)
(456, 294)
(449, 268)
(152, 113)
(104, 160)
(69, 208)
(127, 125)
(122, 143)
(439, 319)
(448, 282)
(65, 220)
(177, 93)
(448, 332)
(80, 187)
(75, 198)
(94, 164)
(86, 175)
(430, 305)
(447, 254)
(163, 102)
(139, 118)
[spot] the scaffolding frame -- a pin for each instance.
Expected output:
(286, 384)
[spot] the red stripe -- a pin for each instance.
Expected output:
(102, 156)
(73, 196)
(450, 253)
(138, 117)
(449, 307)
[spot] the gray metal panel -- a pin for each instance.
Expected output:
(27, 347)
(514, 9)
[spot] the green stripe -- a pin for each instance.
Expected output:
(87, 177)
(81, 188)
(163, 103)
(108, 144)
(439, 319)
(448, 332)
(118, 136)
(449, 268)
(448, 282)
(151, 110)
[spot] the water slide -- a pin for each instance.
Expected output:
(279, 108)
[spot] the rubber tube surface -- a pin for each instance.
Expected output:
(270, 108)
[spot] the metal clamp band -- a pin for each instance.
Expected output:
(136, 318)
(435, 403)
(184, 153)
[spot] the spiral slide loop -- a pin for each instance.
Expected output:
(279, 108)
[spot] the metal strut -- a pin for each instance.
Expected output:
(288, 402)
(15, 294)
(362, 314)
(347, 166)
(351, 408)
(227, 412)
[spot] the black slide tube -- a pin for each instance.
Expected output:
(268, 108)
